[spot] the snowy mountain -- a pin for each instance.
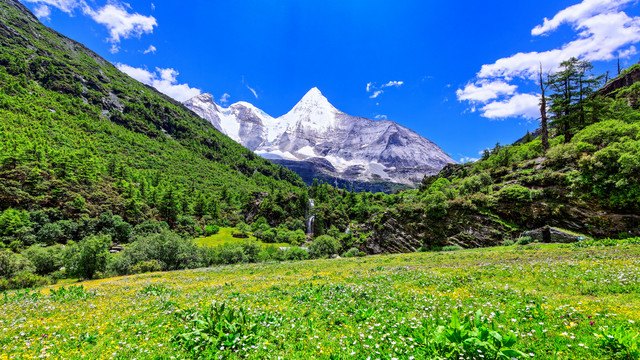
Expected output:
(317, 140)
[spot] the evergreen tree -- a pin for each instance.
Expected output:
(573, 86)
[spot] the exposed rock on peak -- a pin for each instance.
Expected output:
(357, 149)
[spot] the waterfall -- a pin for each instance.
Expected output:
(310, 218)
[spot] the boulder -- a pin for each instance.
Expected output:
(551, 235)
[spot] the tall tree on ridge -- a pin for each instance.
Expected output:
(543, 113)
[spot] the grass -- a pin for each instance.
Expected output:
(225, 236)
(553, 301)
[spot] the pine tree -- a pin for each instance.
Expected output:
(572, 88)
(544, 136)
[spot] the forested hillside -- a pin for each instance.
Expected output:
(78, 138)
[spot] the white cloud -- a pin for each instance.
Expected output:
(151, 49)
(121, 23)
(164, 80)
(114, 16)
(252, 91)
(392, 83)
(586, 9)
(485, 91)
(466, 159)
(381, 117)
(377, 90)
(602, 33)
(224, 99)
(153, 6)
(519, 105)
(376, 94)
(67, 6)
(43, 12)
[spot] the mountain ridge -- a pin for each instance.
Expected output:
(359, 150)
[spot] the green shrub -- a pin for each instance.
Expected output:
(211, 230)
(295, 253)
(170, 250)
(230, 254)
(508, 242)
(23, 280)
(11, 264)
(323, 246)
(88, 256)
(11, 220)
(146, 266)
(353, 252)
(524, 240)
(45, 259)
(251, 249)
(150, 227)
(218, 329)
(515, 193)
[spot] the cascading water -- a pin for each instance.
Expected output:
(310, 218)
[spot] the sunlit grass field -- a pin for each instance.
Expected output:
(225, 236)
(543, 301)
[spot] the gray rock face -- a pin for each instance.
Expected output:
(355, 148)
(551, 235)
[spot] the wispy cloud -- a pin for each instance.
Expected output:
(151, 49)
(376, 94)
(252, 91)
(120, 23)
(224, 99)
(466, 159)
(164, 80)
(602, 33)
(378, 90)
(43, 12)
(381, 117)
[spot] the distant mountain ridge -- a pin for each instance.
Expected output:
(319, 141)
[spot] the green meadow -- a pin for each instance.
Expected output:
(535, 301)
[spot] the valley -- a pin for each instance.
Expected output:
(137, 226)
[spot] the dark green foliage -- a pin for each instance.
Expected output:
(88, 256)
(81, 138)
(324, 246)
(219, 329)
(170, 250)
(296, 253)
(46, 260)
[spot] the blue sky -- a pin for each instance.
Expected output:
(456, 72)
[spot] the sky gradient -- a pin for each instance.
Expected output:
(457, 72)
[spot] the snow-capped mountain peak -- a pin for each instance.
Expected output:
(313, 113)
(324, 141)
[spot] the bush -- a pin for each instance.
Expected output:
(150, 227)
(508, 242)
(45, 259)
(230, 254)
(524, 240)
(296, 253)
(11, 220)
(88, 256)
(514, 193)
(24, 279)
(49, 234)
(251, 249)
(353, 252)
(11, 264)
(297, 237)
(324, 245)
(211, 230)
(146, 266)
(170, 250)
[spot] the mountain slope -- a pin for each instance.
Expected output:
(317, 140)
(75, 129)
